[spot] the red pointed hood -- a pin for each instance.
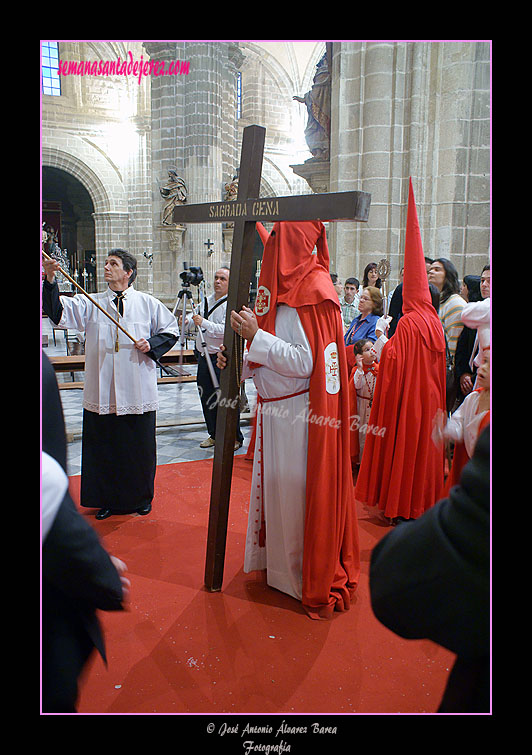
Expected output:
(410, 389)
(290, 272)
(417, 301)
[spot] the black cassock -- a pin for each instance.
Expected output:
(119, 461)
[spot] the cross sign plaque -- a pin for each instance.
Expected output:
(245, 211)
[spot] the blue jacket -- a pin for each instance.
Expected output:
(361, 327)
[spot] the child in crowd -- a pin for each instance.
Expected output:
(361, 388)
(465, 425)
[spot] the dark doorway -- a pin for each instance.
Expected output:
(68, 208)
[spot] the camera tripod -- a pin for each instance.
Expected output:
(184, 294)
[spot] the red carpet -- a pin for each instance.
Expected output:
(247, 649)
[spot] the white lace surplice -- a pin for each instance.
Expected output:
(124, 381)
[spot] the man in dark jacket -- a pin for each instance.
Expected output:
(78, 575)
(430, 579)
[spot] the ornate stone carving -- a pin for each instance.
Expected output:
(318, 103)
(174, 192)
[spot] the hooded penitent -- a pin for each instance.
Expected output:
(402, 470)
(295, 272)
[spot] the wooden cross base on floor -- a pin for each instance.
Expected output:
(244, 212)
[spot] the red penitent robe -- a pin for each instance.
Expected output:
(402, 470)
(292, 274)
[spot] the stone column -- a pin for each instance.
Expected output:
(345, 152)
(141, 236)
(383, 155)
(203, 149)
(167, 126)
(460, 192)
(231, 150)
(111, 230)
(419, 110)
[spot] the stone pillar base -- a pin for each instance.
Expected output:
(316, 173)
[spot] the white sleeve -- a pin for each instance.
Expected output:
(476, 313)
(379, 345)
(214, 329)
(454, 430)
(76, 312)
(358, 378)
(53, 489)
(163, 321)
(288, 359)
(247, 371)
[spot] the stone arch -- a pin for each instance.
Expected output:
(104, 184)
(94, 178)
(276, 182)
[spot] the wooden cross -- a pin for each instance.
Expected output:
(244, 212)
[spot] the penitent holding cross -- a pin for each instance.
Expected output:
(245, 212)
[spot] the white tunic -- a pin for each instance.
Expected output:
(477, 315)
(463, 425)
(365, 388)
(281, 440)
(124, 381)
(213, 328)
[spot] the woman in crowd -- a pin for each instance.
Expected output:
(443, 274)
(370, 308)
(363, 326)
(371, 276)
(464, 371)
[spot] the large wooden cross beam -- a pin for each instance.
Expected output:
(244, 212)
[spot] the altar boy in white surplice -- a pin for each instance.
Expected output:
(120, 394)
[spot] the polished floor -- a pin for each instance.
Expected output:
(180, 424)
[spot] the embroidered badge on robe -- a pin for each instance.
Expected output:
(262, 303)
(332, 368)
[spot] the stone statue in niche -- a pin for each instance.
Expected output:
(318, 103)
(174, 192)
(231, 190)
(51, 247)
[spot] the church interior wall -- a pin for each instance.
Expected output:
(416, 109)
(267, 92)
(101, 124)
